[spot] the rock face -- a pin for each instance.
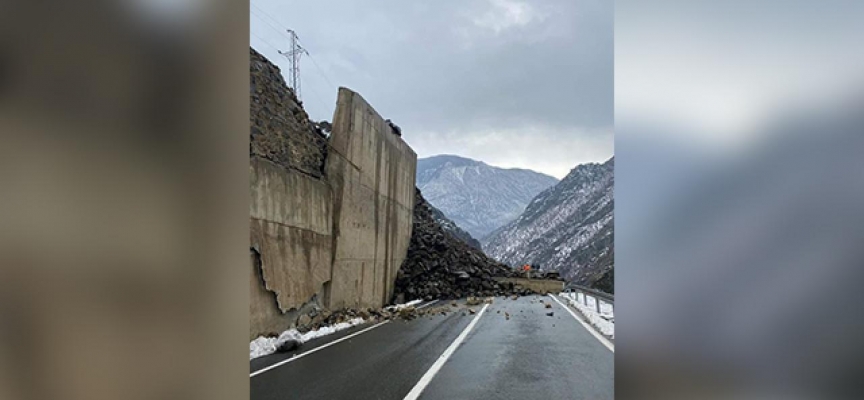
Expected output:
(439, 266)
(453, 229)
(568, 228)
(280, 130)
(478, 197)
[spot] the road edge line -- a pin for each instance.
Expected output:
(296, 356)
(427, 304)
(424, 381)
(587, 326)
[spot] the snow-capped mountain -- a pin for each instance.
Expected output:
(454, 230)
(478, 197)
(568, 227)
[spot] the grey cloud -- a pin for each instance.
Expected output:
(470, 66)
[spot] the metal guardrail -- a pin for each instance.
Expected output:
(598, 295)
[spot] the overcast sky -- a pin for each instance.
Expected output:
(723, 68)
(512, 83)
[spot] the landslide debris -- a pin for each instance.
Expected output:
(280, 130)
(407, 313)
(439, 266)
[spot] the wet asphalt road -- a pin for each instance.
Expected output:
(529, 356)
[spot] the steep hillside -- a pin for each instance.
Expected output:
(441, 266)
(478, 197)
(568, 227)
(280, 130)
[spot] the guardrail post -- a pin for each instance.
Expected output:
(598, 296)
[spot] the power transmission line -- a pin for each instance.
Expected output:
(269, 24)
(322, 72)
(270, 16)
(265, 41)
(293, 55)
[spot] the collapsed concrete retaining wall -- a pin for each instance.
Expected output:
(291, 242)
(372, 174)
(330, 241)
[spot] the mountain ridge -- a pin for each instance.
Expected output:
(567, 227)
(453, 229)
(476, 196)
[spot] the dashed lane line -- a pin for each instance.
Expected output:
(424, 381)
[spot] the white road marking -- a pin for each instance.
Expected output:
(587, 326)
(414, 394)
(297, 356)
(428, 304)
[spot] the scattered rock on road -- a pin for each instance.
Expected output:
(408, 313)
(288, 345)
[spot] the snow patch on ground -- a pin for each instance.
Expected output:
(263, 346)
(604, 321)
(398, 307)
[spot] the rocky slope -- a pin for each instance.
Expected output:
(439, 266)
(478, 197)
(280, 130)
(568, 227)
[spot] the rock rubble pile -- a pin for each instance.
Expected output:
(280, 130)
(439, 266)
